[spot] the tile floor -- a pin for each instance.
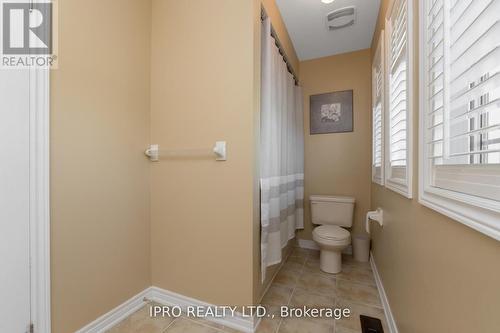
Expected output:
(298, 283)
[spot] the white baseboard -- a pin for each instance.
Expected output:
(311, 245)
(168, 298)
(238, 322)
(383, 296)
(113, 317)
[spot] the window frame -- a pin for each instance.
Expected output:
(476, 212)
(379, 60)
(395, 184)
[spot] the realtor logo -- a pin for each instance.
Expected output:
(27, 33)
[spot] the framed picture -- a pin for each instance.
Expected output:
(332, 112)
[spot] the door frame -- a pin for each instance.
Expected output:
(39, 173)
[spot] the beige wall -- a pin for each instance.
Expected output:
(203, 91)
(338, 164)
(99, 176)
(205, 86)
(439, 275)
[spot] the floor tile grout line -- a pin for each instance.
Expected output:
(291, 295)
(193, 321)
(362, 304)
(206, 325)
(356, 282)
(279, 326)
(168, 326)
(303, 270)
(344, 279)
(338, 279)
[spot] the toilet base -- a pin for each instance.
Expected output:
(330, 261)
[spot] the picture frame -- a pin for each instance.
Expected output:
(332, 112)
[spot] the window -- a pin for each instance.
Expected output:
(460, 111)
(399, 116)
(378, 96)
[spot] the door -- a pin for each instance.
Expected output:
(14, 201)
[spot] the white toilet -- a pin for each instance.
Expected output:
(333, 214)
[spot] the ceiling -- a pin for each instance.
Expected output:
(306, 24)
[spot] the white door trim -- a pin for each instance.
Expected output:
(40, 198)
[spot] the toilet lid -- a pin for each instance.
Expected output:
(332, 232)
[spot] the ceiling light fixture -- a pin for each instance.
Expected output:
(327, 1)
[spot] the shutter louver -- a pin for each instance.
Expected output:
(475, 82)
(436, 73)
(399, 121)
(378, 113)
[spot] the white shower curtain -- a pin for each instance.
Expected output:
(281, 153)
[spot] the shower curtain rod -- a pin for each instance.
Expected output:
(263, 15)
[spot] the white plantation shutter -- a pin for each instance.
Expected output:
(398, 171)
(475, 83)
(378, 96)
(461, 110)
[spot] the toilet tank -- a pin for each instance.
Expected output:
(332, 210)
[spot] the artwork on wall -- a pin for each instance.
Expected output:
(332, 112)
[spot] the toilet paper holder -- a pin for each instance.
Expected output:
(376, 215)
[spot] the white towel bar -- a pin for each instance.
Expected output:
(219, 150)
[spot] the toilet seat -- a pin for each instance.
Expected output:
(331, 233)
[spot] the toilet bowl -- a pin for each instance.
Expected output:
(332, 240)
(332, 214)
